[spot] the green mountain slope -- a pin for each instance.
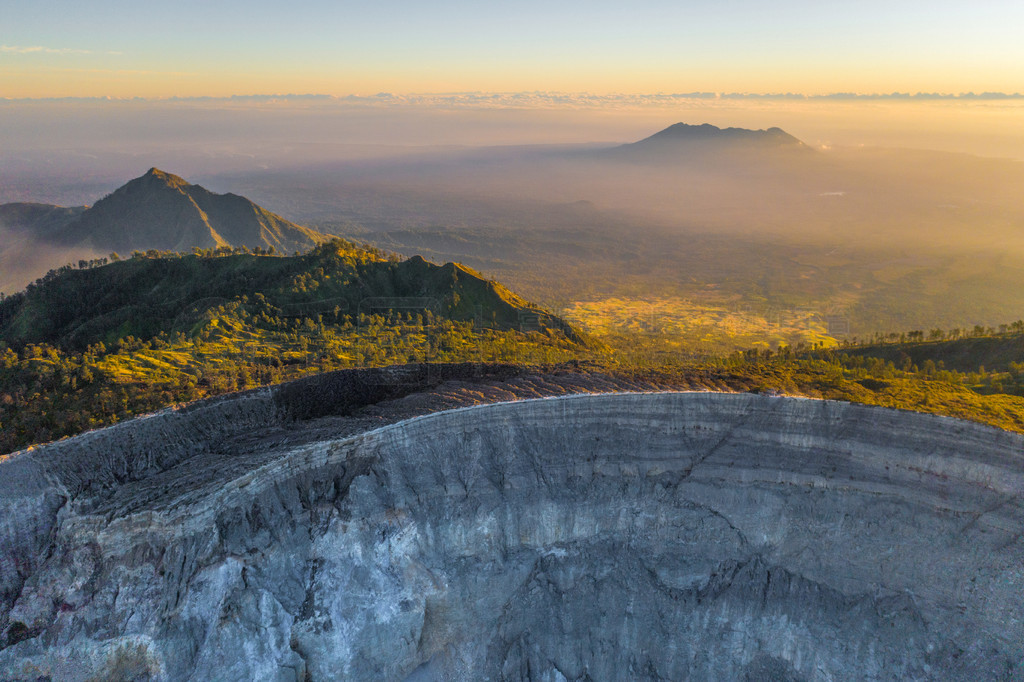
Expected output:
(143, 297)
(88, 347)
(968, 352)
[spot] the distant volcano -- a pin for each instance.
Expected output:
(162, 211)
(774, 137)
(708, 140)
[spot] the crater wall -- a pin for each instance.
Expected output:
(617, 536)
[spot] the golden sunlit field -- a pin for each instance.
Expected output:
(683, 326)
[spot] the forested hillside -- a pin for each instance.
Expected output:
(89, 346)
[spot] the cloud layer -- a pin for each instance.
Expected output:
(40, 49)
(502, 100)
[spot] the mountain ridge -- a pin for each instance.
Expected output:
(709, 131)
(91, 346)
(157, 210)
(163, 211)
(46, 218)
(138, 296)
(707, 141)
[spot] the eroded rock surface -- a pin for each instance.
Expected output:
(602, 537)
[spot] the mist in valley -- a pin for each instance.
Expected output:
(892, 216)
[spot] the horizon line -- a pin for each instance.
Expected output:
(527, 97)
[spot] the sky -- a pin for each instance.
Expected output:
(119, 48)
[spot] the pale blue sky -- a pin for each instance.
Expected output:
(120, 48)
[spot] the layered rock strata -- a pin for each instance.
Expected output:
(608, 536)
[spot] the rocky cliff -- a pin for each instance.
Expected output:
(605, 536)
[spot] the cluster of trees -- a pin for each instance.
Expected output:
(281, 318)
(936, 334)
(857, 367)
(82, 350)
(57, 272)
(48, 391)
(336, 244)
(988, 397)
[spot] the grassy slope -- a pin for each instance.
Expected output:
(995, 352)
(835, 378)
(143, 296)
(86, 348)
(91, 347)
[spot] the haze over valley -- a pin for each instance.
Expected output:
(778, 238)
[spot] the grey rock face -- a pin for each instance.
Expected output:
(602, 537)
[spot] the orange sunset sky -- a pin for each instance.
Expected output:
(189, 48)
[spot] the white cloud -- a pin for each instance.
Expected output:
(39, 49)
